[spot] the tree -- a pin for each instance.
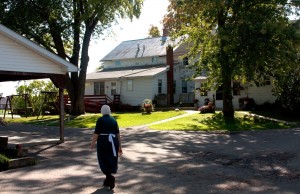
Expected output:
(236, 40)
(66, 27)
(287, 89)
(287, 84)
(153, 32)
(33, 89)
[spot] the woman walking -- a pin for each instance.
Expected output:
(107, 136)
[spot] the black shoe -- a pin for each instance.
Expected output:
(106, 183)
(112, 182)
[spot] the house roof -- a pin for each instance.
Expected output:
(65, 65)
(147, 47)
(127, 72)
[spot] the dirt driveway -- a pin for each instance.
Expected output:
(161, 162)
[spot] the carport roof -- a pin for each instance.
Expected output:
(5, 75)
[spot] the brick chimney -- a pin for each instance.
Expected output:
(165, 32)
(170, 75)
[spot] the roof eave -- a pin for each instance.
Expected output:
(66, 66)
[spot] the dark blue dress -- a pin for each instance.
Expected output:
(108, 162)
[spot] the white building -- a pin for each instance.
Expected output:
(141, 69)
(146, 69)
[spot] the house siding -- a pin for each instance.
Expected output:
(89, 88)
(260, 95)
(142, 89)
(16, 57)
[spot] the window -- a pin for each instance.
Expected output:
(159, 86)
(129, 85)
(118, 63)
(113, 90)
(219, 93)
(154, 59)
(203, 89)
(99, 88)
(236, 88)
(184, 86)
(185, 61)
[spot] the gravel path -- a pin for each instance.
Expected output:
(160, 162)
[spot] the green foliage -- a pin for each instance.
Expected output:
(287, 89)
(66, 28)
(147, 106)
(236, 40)
(33, 89)
(153, 32)
(3, 162)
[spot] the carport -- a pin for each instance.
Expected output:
(22, 59)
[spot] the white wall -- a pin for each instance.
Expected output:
(260, 95)
(182, 73)
(15, 57)
(89, 88)
(135, 62)
(142, 89)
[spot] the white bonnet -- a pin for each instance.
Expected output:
(105, 110)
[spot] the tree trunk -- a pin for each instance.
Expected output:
(77, 96)
(228, 111)
(226, 70)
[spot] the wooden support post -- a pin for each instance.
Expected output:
(8, 102)
(61, 114)
(3, 142)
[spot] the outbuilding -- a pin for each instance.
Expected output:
(22, 59)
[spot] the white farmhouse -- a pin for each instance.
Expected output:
(144, 69)
(147, 69)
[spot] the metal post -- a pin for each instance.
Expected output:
(61, 114)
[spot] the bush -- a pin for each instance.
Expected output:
(3, 162)
(147, 106)
(246, 103)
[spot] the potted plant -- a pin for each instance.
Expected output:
(147, 106)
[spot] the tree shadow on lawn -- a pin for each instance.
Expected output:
(217, 122)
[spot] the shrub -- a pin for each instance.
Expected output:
(147, 106)
(3, 162)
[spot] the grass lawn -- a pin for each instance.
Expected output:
(89, 120)
(213, 122)
(197, 121)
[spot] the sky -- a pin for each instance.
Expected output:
(152, 14)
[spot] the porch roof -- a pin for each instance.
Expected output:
(127, 72)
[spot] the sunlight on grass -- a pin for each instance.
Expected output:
(89, 120)
(211, 122)
(195, 122)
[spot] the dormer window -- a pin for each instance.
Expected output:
(185, 61)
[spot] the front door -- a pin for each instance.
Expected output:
(112, 89)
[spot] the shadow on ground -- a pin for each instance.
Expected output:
(161, 162)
